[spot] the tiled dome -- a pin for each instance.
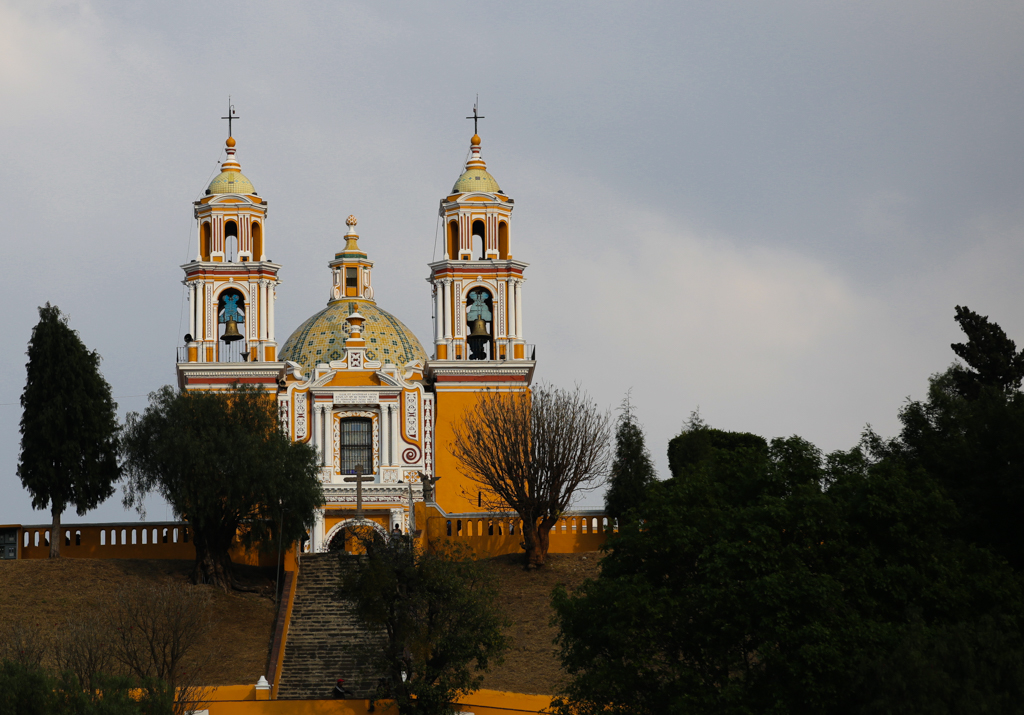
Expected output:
(231, 182)
(476, 180)
(322, 337)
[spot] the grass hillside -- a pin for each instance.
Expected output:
(532, 665)
(43, 594)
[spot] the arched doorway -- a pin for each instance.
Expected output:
(349, 535)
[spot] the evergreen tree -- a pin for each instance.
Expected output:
(632, 470)
(69, 430)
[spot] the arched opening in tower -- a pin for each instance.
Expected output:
(230, 241)
(479, 240)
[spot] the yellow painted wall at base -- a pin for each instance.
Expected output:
(241, 700)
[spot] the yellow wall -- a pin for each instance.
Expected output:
(496, 536)
(83, 541)
(449, 490)
(241, 700)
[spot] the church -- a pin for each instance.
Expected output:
(352, 380)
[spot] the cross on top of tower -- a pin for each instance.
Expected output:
(231, 115)
(476, 117)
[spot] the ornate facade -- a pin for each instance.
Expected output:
(352, 380)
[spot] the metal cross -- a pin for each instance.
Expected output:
(476, 116)
(359, 479)
(231, 116)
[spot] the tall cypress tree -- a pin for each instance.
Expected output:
(69, 430)
(632, 470)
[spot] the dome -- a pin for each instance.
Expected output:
(322, 337)
(475, 180)
(231, 182)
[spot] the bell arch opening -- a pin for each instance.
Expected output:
(205, 241)
(503, 240)
(453, 240)
(479, 240)
(230, 241)
(257, 241)
(231, 315)
(480, 321)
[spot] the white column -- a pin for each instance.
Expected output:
(262, 334)
(438, 308)
(385, 435)
(328, 436)
(519, 309)
(510, 307)
(447, 310)
(192, 309)
(316, 534)
(394, 416)
(318, 433)
(272, 298)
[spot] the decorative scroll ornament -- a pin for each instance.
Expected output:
(410, 455)
(411, 416)
(428, 434)
(300, 415)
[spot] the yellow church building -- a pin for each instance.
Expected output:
(352, 380)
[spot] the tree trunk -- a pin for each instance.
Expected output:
(536, 540)
(213, 564)
(55, 533)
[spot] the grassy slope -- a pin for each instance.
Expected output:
(43, 594)
(532, 665)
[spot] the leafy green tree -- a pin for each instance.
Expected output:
(439, 619)
(632, 470)
(768, 579)
(222, 462)
(697, 441)
(968, 435)
(69, 424)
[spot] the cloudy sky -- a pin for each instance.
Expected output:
(766, 211)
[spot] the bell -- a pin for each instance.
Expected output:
(231, 333)
(479, 329)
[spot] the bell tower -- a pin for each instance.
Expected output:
(477, 290)
(231, 285)
(478, 286)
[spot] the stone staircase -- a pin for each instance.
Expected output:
(325, 641)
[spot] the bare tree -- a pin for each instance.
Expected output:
(84, 647)
(157, 633)
(22, 644)
(531, 452)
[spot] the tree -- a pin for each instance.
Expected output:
(773, 580)
(438, 617)
(222, 462)
(992, 358)
(968, 435)
(532, 452)
(69, 430)
(157, 632)
(632, 470)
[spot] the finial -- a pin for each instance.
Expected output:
(475, 141)
(230, 142)
(231, 117)
(476, 117)
(351, 223)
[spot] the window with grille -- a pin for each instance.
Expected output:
(356, 445)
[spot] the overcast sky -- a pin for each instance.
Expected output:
(766, 211)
